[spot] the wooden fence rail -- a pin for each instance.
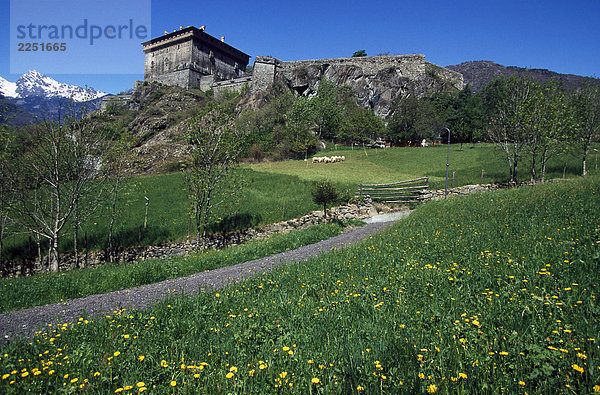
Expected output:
(398, 192)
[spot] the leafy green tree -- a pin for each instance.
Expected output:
(324, 192)
(359, 53)
(413, 119)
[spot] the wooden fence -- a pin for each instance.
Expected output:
(397, 192)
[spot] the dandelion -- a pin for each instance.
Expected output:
(140, 384)
(432, 389)
(251, 372)
(421, 376)
(5, 376)
(360, 388)
(462, 376)
(315, 380)
(73, 381)
(143, 389)
(118, 390)
(233, 369)
(503, 353)
(577, 368)
(521, 383)
(229, 375)
(117, 353)
(283, 375)
(164, 364)
(127, 388)
(141, 358)
(597, 388)
(173, 383)
(25, 374)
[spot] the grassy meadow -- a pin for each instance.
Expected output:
(266, 198)
(281, 190)
(398, 164)
(488, 293)
(23, 292)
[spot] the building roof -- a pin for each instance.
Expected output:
(192, 32)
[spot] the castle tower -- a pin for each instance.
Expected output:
(189, 58)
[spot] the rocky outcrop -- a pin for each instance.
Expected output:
(377, 80)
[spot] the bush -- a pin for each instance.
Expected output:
(324, 192)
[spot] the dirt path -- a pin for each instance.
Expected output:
(27, 322)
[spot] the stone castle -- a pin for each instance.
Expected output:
(191, 58)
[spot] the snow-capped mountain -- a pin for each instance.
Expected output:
(7, 88)
(34, 84)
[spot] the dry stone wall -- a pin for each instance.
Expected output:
(185, 247)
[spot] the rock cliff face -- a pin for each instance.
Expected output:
(377, 80)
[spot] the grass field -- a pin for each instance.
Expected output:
(261, 202)
(488, 293)
(398, 164)
(281, 190)
(22, 292)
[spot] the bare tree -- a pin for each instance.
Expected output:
(209, 173)
(587, 105)
(508, 129)
(49, 177)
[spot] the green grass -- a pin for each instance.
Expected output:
(398, 164)
(23, 292)
(490, 293)
(261, 202)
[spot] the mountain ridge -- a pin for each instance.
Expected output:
(479, 73)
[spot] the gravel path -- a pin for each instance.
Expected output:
(26, 322)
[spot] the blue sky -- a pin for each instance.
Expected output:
(562, 36)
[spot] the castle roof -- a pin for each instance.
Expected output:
(193, 33)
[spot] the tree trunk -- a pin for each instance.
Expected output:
(76, 234)
(544, 161)
(586, 149)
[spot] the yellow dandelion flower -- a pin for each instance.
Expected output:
(5, 376)
(251, 372)
(503, 353)
(522, 383)
(173, 383)
(164, 364)
(24, 374)
(140, 384)
(73, 381)
(310, 361)
(143, 389)
(117, 353)
(577, 368)
(233, 369)
(141, 358)
(360, 388)
(229, 375)
(432, 389)
(315, 380)
(118, 390)
(127, 388)
(196, 375)
(96, 374)
(462, 376)
(597, 388)
(283, 375)
(421, 376)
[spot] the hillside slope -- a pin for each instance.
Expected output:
(480, 73)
